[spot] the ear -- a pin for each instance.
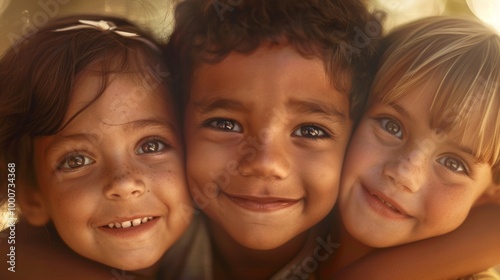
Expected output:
(490, 195)
(33, 207)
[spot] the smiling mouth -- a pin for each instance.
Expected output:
(130, 223)
(388, 204)
(262, 204)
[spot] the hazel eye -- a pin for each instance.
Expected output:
(150, 146)
(392, 127)
(309, 131)
(74, 161)
(225, 124)
(454, 164)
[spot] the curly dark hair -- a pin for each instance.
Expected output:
(343, 34)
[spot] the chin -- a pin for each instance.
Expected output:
(134, 263)
(259, 241)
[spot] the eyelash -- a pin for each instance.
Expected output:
(214, 123)
(466, 169)
(308, 127)
(159, 140)
(64, 165)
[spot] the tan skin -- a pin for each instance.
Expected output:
(417, 259)
(410, 261)
(432, 204)
(40, 254)
(442, 257)
(40, 251)
(276, 117)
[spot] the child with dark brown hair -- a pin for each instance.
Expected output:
(271, 92)
(90, 125)
(272, 89)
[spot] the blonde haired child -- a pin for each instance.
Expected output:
(427, 149)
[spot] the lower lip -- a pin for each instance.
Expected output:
(261, 206)
(132, 231)
(381, 208)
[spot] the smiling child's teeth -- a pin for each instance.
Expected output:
(126, 224)
(387, 203)
(136, 222)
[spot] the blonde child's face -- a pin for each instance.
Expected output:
(266, 135)
(402, 181)
(113, 181)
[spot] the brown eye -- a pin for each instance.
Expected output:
(151, 146)
(75, 161)
(309, 131)
(225, 124)
(392, 127)
(228, 125)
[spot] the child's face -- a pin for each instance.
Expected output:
(404, 182)
(119, 163)
(266, 135)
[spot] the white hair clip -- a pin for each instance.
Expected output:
(107, 26)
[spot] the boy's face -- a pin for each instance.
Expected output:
(113, 180)
(266, 135)
(402, 181)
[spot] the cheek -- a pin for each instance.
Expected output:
(446, 209)
(170, 185)
(362, 153)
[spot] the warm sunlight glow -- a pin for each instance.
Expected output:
(487, 11)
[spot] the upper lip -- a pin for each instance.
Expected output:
(263, 199)
(387, 199)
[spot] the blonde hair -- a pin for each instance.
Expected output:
(460, 57)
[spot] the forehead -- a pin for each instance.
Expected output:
(124, 98)
(269, 74)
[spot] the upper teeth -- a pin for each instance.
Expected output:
(127, 224)
(387, 203)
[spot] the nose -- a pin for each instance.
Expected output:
(271, 160)
(406, 170)
(125, 184)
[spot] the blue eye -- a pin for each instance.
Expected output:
(392, 127)
(310, 131)
(454, 164)
(225, 124)
(74, 161)
(150, 146)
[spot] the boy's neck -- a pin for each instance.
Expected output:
(231, 260)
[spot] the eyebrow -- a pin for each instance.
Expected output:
(402, 111)
(317, 108)
(219, 104)
(468, 151)
(132, 126)
(149, 123)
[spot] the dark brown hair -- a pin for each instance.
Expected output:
(37, 78)
(341, 33)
